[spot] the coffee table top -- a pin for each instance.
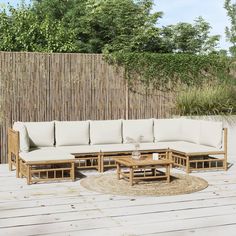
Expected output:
(143, 161)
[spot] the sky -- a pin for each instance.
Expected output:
(186, 11)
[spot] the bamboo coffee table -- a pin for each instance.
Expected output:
(143, 169)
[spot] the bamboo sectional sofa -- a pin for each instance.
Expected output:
(52, 150)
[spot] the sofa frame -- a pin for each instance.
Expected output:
(41, 171)
(88, 160)
(202, 160)
(37, 171)
(65, 169)
(13, 150)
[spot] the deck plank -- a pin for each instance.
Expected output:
(68, 209)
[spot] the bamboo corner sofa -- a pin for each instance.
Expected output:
(43, 151)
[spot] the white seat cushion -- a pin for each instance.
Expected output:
(190, 130)
(187, 147)
(211, 133)
(45, 154)
(115, 147)
(155, 146)
(79, 149)
(106, 132)
(181, 146)
(24, 138)
(167, 130)
(41, 134)
(70, 133)
(134, 129)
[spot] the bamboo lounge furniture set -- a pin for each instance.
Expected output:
(42, 151)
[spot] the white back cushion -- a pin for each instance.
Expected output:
(106, 132)
(167, 130)
(41, 134)
(190, 130)
(211, 133)
(24, 138)
(69, 133)
(135, 128)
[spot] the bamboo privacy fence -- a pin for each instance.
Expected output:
(43, 87)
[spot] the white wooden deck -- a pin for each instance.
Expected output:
(69, 209)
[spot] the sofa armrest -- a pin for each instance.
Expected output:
(13, 148)
(13, 141)
(225, 140)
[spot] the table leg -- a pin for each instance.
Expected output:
(28, 174)
(101, 163)
(187, 165)
(118, 170)
(153, 169)
(131, 175)
(72, 171)
(168, 173)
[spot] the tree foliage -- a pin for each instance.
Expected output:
(104, 25)
(231, 31)
(189, 38)
(22, 30)
(194, 38)
(95, 26)
(129, 26)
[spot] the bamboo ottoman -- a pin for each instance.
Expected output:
(47, 167)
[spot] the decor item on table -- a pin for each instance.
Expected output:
(155, 156)
(136, 153)
(109, 184)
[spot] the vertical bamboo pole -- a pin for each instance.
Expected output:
(187, 165)
(126, 100)
(225, 148)
(28, 174)
(72, 171)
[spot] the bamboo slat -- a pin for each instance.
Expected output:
(54, 86)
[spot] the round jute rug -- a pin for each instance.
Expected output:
(180, 184)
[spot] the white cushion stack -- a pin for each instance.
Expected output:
(185, 135)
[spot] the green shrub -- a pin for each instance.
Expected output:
(208, 100)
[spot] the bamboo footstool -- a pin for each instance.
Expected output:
(45, 168)
(143, 169)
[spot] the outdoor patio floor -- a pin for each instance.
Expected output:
(68, 209)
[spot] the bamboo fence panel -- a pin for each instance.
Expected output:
(148, 103)
(54, 86)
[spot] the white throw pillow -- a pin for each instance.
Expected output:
(167, 130)
(24, 138)
(211, 133)
(190, 130)
(41, 134)
(134, 129)
(106, 132)
(70, 133)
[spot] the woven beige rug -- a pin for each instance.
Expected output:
(180, 184)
